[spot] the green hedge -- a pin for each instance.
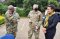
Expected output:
(55, 2)
(21, 11)
(27, 6)
(3, 8)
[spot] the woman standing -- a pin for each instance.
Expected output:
(51, 20)
(11, 20)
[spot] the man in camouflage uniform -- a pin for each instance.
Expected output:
(11, 20)
(35, 21)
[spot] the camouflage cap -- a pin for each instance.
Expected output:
(35, 6)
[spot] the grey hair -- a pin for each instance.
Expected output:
(10, 6)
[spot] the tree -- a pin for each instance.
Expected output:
(18, 3)
(29, 3)
(55, 2)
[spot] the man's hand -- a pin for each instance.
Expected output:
(33, 25)
(44, 30)
(14, 21)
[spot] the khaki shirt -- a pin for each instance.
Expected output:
(35, 17)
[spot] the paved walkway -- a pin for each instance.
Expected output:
(23, 30)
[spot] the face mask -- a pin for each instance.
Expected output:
(36, 9)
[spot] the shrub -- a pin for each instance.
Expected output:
(20, 11)
(3, 8)
(2, 19)
(55, 2)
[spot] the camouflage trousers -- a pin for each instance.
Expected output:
(32, 31)
(11, 29)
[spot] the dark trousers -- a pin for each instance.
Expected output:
(50, 34)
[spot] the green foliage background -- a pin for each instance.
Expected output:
(24, 6)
